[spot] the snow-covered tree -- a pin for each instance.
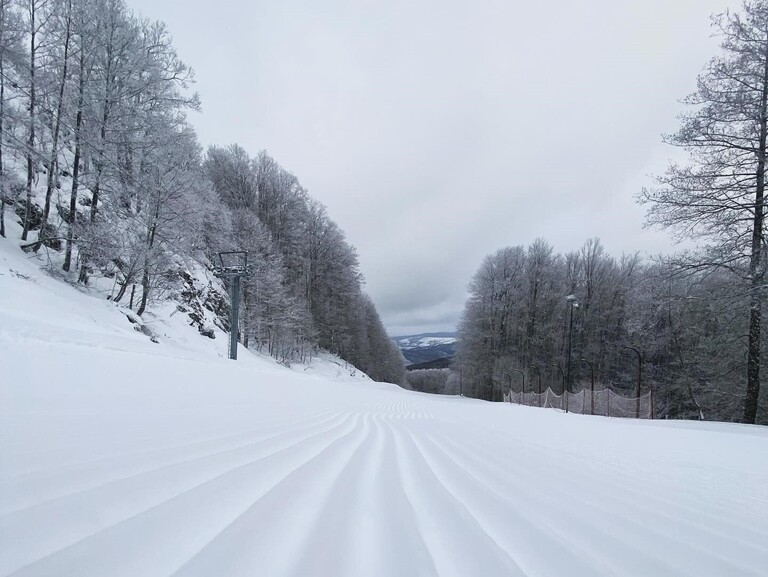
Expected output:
(718, 195)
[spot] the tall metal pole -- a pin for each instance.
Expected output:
(233, 266)
(570, 341)
(573, 304)
(234, 311)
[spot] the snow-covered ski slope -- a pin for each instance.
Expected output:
(119, 456)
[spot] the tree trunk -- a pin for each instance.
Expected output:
(679, 350)
(54, 160)
(753, 361)
(103, 134)
(531, 328)
(76, 168)
(151, 233)
(756, 272)
(127, 279)
(95, 192)
(31, 138)
(96, 189)
(2, 120)
(144, 289)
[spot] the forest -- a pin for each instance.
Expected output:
(102, 168)
(690, 323)
(529, 307)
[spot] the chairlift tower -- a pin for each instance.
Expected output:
(233, 266)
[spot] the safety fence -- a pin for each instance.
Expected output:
(604, 402)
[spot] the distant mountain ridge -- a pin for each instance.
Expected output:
(427, 347)
(441, 363)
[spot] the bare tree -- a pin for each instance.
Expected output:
(718, 195)
(9, 51)
(53, 162)
(85, 37)
(38, 14)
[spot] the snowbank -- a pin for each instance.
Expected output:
(122, 456)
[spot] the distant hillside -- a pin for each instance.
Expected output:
(427, 347)
(441, 363)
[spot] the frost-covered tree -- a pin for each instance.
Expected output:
(59, 65)
(434, 381)
(233, 173)
(11, 59)
(38, 15)
(718, 194)
(165, 212)
(376, 354)
(517, 319)
(84, 37)
(96, 97)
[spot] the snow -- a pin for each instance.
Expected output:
(121, 456)
(421, 342)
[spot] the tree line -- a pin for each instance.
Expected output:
(529, 307)
(99, 163)
(694, 319)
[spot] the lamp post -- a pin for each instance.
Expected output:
(639, 377)
(572, 304)
(592, 388)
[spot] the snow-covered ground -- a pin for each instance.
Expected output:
(120, 456)
(423, 341)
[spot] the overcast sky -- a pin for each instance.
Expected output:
(437, 132)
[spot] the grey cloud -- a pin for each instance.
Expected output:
(439, 131)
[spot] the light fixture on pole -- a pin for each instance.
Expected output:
(233, 266)
(572, 304)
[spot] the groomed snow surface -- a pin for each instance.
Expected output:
(119, 456)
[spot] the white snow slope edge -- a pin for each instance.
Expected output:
(119, 456)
